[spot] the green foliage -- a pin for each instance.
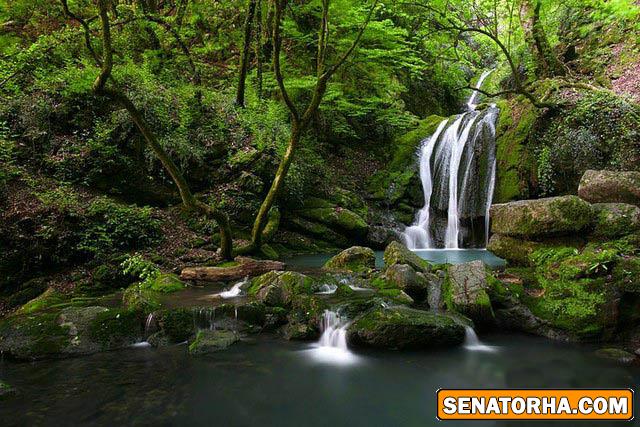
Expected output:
(118, 226)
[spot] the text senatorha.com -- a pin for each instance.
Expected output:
(535, 404)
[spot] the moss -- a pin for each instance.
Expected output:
(211, 341)
(50, 298)
(137, 298)
(116, 327)
(397, 253)
(33, 336)
(163, 283)
(228, 264)
(626, 274)
(268, 252)
(355, 259)
(177, 324)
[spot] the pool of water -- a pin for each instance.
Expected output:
(263, 382)
(436, 256)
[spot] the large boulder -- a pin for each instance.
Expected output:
(404, 277)
(354, 259)
(541, 217)
(278, 288)
(207, 342)
(336, 217)
(465, 291)
(72, 332)
(405, 328)
(610, 187)
(613, 220)
(397, 253)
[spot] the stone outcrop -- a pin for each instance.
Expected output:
(613, 220)
(397, 253)
(207, 342)
(610, 187)
(405, 278)
(552, 216)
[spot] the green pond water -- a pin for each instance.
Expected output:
(436, 256)
(267, 382)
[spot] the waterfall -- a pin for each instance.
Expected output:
(473, 343)
(332, 346)
(235, 290)
(457, 171)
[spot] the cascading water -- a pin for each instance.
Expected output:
(473, 343)
(332, 346)
(457, 170)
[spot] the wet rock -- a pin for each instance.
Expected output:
(541, 217)
(405, 328)
(616, 355)
(278, 288)
(405, 278)
(514, 251)
(176, 324)
(465, 291)
(158, 340)
(614, 220)
(356, 259)
(610, 187)
(300, 332)
(207, 342)
(397, 253)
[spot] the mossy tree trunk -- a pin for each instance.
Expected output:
(299, 122)
(546, 61)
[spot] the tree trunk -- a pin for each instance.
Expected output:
(546, 62)
(259, 47)
(247, 267)
(263, 214)
(246, 52)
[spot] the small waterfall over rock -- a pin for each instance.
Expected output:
(332, 346)
(473, 343)
(457, 170)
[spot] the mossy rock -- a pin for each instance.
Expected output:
(71, 332)
(405, 328)
(49, 299)
(317, 230)
(514, 251)
(164, 283)
(405, 278)
(616, 355)
(335, 217)
(7, 391)
(602, 186)
(615, 220)
(177, 324)
(465, 291)
(278, 288)
(135, 297)
(356, 259)
(397, 253)
(627, 274)
(207, 342)
(541, 217)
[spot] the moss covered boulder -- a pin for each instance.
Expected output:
(207, 342)
(356, 259)
(616, 355)
(514, 251)
(465, 291)
(404, 277)
(614, 220)
(278, 288)
(541, 217)
(397, 253)
(71, 332)
(336, 217)
(405, 328)
(610, 187)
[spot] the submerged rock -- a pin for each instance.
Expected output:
(6, 391)
(397, 253)
(465, 291)
(541, 217)
(616, 355)
(610, 187)
(405, 328)
(207, 342)
(356, 259)
(614, 220)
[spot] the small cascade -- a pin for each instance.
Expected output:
(473, 343)
(457, 171)
(148, 324)
(332, 346)
(234, 291)
(327, 289)
(204, 318)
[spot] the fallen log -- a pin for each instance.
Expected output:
(247, 267)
